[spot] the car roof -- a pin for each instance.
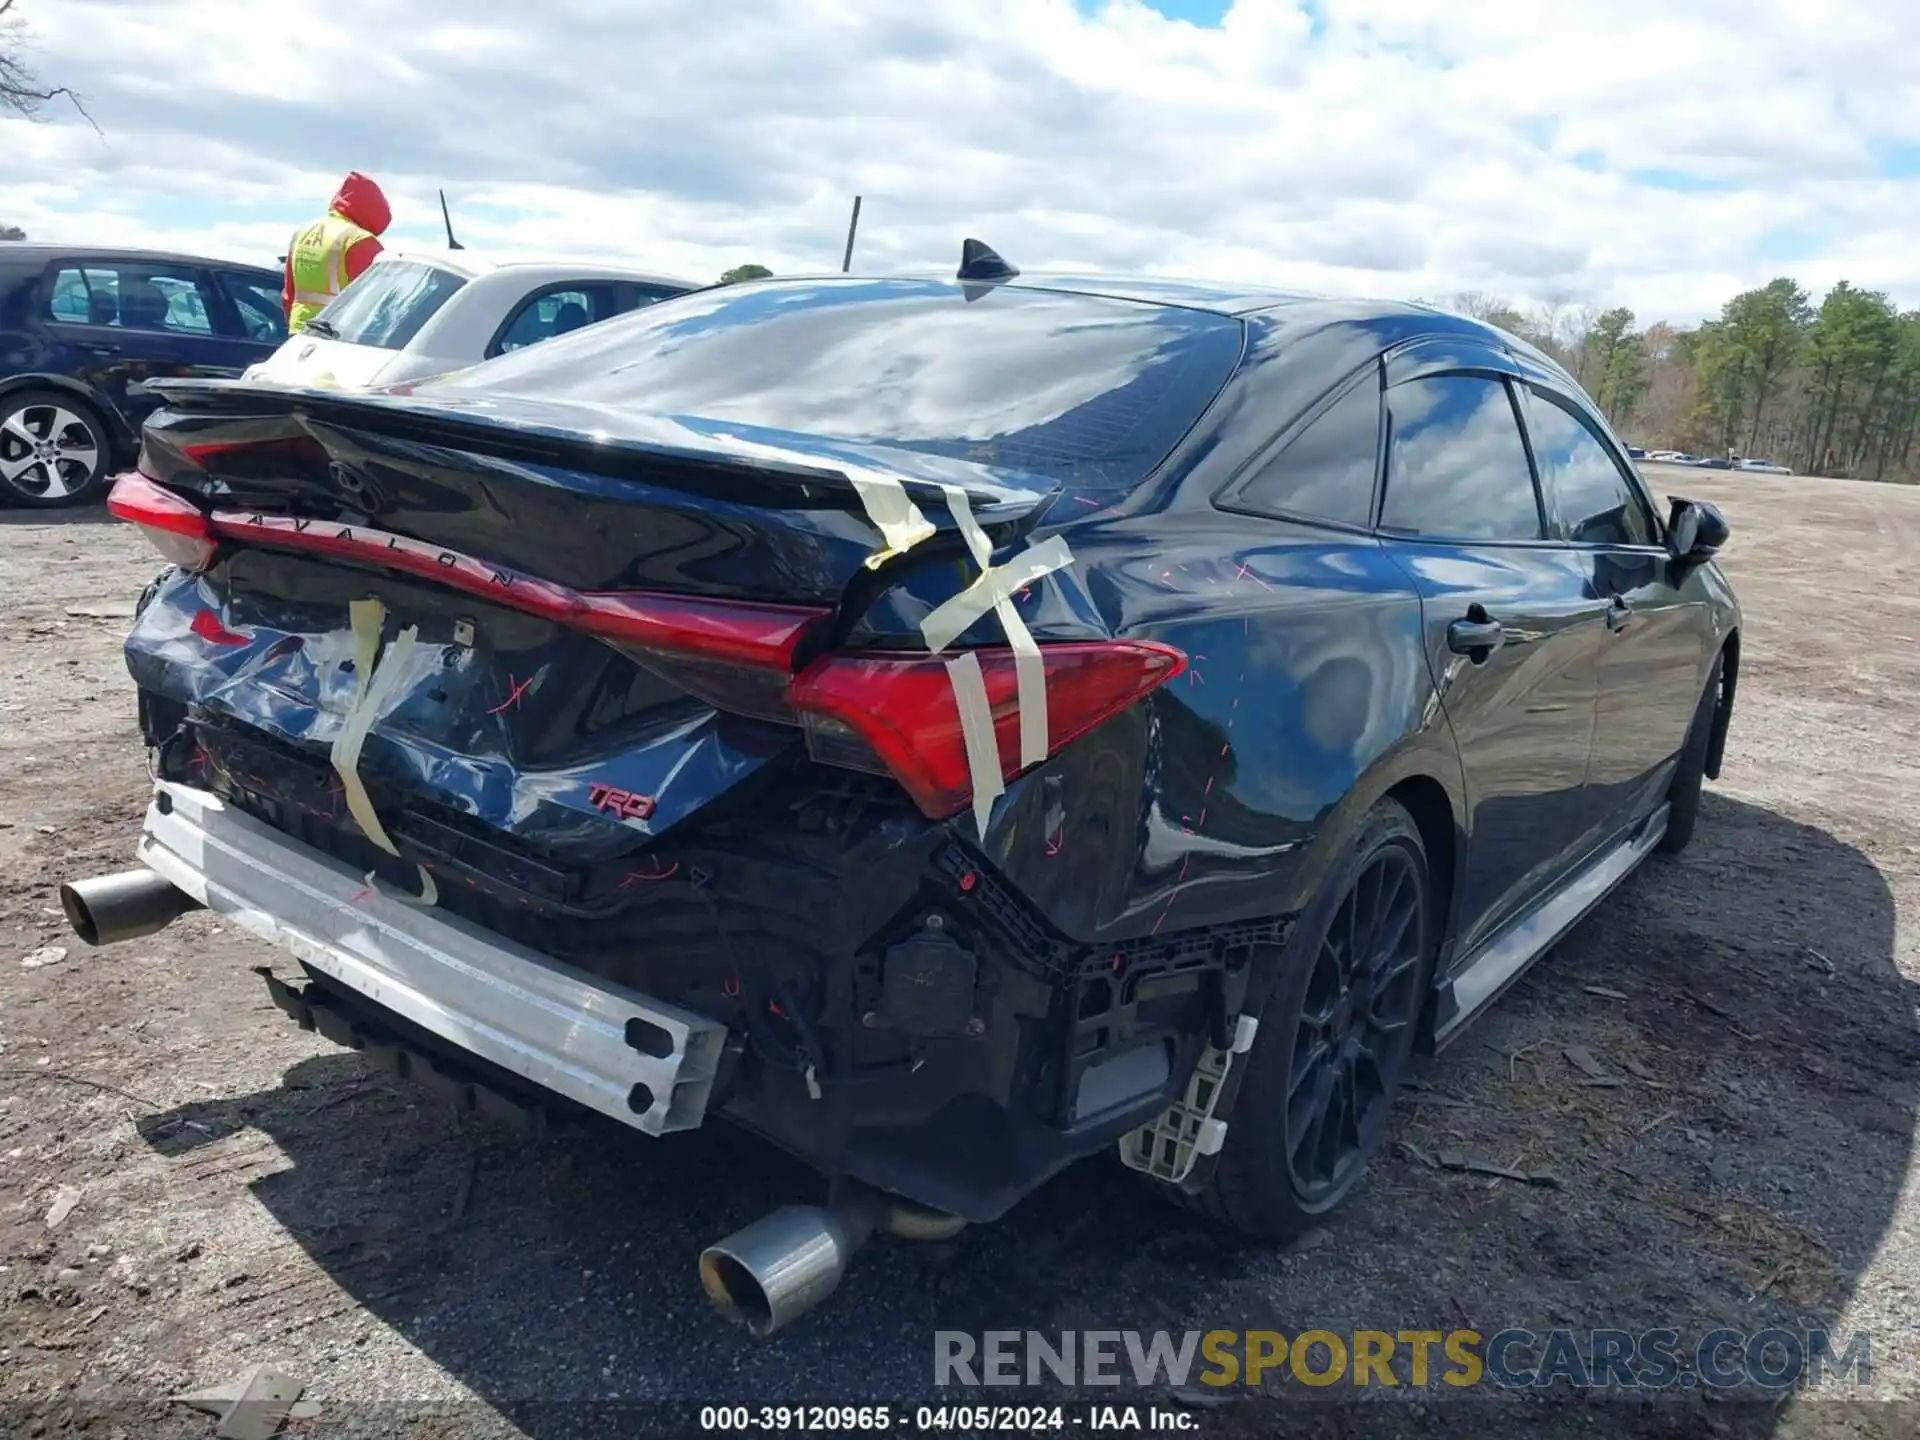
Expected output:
(1218, 297)
(43, 251)
(536, 270)
(1212, 296)
(1299, 309)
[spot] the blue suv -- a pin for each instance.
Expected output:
(82, 332)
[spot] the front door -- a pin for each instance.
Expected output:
(1653, 662)
(1513, 634)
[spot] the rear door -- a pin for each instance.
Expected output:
(1513, 629)
(135, 320)
(1652, 662)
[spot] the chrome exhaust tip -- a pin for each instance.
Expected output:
(777, 1269)
(111, 908)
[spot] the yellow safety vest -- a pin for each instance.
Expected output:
(319, 261)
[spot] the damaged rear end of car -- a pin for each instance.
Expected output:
(662, 768)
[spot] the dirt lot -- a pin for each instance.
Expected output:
(244, 1192)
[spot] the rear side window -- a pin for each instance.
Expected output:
(557, 312)
(1075, 388)
(1456, 465)
(387, 305)
(1594, 501)
(640, 296)
(132, 295)
(1326, 471)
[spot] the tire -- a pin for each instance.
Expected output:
(1268, 1182)
(1683, 792)
(54, 450)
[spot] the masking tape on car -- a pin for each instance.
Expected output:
(994, 590)
(976, 728)
(890, 510)
(375, 679)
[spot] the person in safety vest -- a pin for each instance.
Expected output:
(331, 252)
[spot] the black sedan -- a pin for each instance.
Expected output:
(950, 727)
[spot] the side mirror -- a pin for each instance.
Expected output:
(1695, 530)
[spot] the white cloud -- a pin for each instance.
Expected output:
(1394, 147)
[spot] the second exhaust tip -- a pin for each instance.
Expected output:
(781, 1266)
(775, 1270)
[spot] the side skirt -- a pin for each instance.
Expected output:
(1504, 958)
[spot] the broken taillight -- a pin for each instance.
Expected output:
(208, 627)
(884, 711)
(172, 524)
(900, 709)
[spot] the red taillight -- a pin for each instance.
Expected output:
(902, 708)
(171, 524)
(739, 631)
(208, 627)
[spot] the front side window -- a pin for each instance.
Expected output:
(388, 304)
(557, 312)
(1456, 465)
(258, 302)
(1594, 500)
(132, 296)
(1326, 471)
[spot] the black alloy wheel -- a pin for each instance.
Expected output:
(1361, 1004)
(1335, 1038)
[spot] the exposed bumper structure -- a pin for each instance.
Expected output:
(644, 1063)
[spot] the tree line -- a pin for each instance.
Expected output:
(1832, 389)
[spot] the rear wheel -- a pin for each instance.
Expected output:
(1683, 792)
(53, 450)
(1335, 1039)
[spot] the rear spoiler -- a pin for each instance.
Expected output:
(603, 442)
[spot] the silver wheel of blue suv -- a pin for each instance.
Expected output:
(53, 450)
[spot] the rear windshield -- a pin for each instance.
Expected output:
(1071, 387)
(387, 305)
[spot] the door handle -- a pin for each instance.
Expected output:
(1618, 614)
(95, 348)
(1477, 636)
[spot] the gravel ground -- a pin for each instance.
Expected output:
(241, 1192)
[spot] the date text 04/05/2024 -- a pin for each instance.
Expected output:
(956, 1419)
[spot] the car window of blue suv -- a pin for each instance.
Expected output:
(132, 295)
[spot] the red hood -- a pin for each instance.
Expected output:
(360, 200)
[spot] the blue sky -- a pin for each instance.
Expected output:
(1194, 12)
(1561, 152)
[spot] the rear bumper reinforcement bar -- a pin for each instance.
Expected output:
(342, 1023)
(645, 1063)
